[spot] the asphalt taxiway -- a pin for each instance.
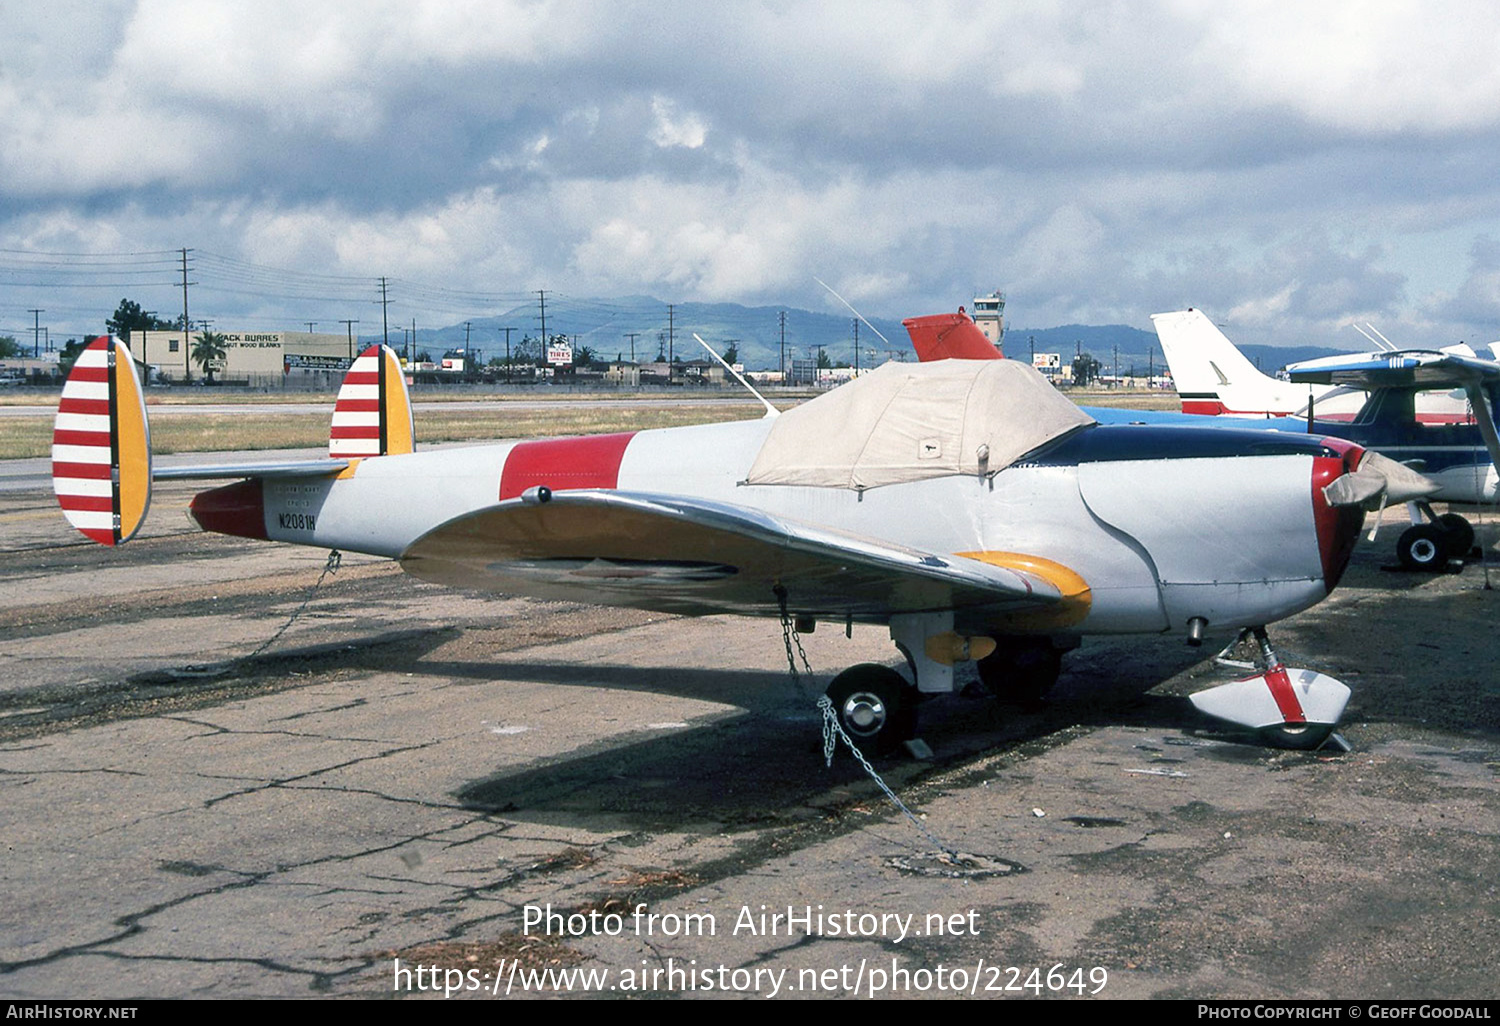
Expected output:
(405, 770)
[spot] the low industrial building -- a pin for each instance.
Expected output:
(260, 359)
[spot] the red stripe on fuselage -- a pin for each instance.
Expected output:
(564, 463)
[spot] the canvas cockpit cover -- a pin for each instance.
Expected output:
(905, 422)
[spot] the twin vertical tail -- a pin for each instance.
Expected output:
(101, 445)
(372, 416)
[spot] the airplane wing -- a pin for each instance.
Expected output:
(1414, 368)
(1420, 369)
(699, 557)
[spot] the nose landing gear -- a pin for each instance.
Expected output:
(1287, 706)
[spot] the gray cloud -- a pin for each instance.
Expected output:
(1286, 168)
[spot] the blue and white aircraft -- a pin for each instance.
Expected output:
(1460, 457)
(1429, 410)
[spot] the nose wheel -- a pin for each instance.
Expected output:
(875, 706)
(1284, 705)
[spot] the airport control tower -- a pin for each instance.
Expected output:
(989, 314)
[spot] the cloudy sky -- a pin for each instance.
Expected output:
(1288, 167)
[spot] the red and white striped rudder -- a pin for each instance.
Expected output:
(101, 445)
(372, 416)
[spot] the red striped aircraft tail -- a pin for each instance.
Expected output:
(373, 414)
(101, 445)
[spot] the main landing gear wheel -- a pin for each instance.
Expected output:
(1460, 534)
(1021, 671)
(875, 706)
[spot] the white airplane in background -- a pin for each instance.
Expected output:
(963, 504)
(1213, 377)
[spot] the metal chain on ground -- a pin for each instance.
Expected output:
(335, 557)
(833, 730)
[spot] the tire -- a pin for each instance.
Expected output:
(1300, 736)
(1460, 534)
(1021, 670)
(875, 706)
(1423, 547)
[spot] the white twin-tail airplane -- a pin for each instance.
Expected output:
(963, 504)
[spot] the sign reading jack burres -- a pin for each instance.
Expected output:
(663, 972)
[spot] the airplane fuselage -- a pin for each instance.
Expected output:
(1163, 524)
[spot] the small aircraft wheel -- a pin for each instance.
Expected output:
(875, 706)
(1021, 670)
(1423, 547)
(1301, 736)
(1460, 534)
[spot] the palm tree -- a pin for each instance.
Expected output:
(208, 352)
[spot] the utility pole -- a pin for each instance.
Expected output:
(385, 321)
(541, 295)
(411, 350)
(36, 334)
(310, 326)
(349, 326)
(783, 347)
(632, 335)
(507, 352)
(466, 338)
(670, 339)
(856, 347)
(187, 367)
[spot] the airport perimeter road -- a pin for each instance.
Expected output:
(415, 774)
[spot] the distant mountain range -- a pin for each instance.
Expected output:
(607, 326)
